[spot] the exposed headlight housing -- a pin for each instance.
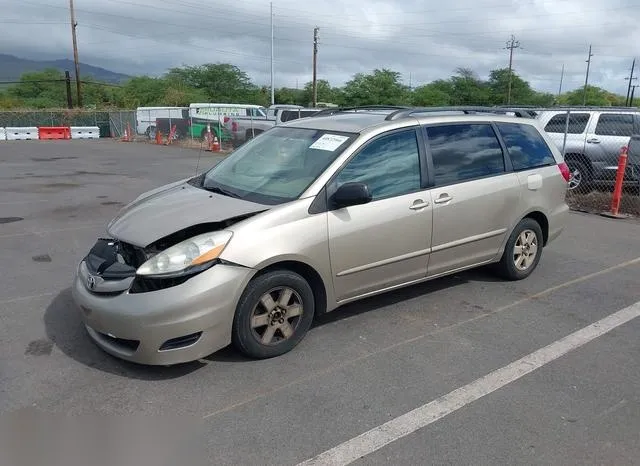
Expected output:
(190, 256)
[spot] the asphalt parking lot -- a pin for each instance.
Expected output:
(490, 372)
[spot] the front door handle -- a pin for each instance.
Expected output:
(443, 199)
(593, 141)
(419, 204)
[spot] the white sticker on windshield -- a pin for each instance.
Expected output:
(328, 142)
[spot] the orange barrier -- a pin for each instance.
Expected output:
(158, 136)
(617, 190)
(54, 132)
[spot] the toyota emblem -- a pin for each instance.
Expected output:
(91, 282)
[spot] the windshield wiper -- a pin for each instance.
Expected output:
(219, 190)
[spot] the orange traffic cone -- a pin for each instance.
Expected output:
(215, 145)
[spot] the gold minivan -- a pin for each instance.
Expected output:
(314, 214)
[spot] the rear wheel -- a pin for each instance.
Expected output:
(274, 314)
(522, 252)
(580, 175)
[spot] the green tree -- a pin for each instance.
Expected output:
(596, 96)
(382, 87)
(521, 92)
(430, 95)
(220, 82)
(143, 91)
(468, 89)
(324, 91)
(288, 96)
(41, 89)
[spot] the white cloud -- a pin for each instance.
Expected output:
(425, 41)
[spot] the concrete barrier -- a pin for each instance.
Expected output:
(85, 132)
(3, 134)
(21, 133)
(53, 132)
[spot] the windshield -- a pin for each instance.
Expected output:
(278, 165)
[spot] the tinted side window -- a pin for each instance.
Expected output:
(464, 152)
(526, 147)
(390, 166)
(615, 125)
(577, 123)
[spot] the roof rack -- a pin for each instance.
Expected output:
(403, 113)
(334, 110)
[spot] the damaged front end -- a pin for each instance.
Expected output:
(115, 266)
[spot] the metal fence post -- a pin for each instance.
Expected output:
(566, 130)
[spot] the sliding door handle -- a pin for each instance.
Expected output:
(444, 198)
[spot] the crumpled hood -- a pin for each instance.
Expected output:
(174, 207)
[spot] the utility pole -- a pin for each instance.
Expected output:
(74, 25)
(586, 79)
(561, 78)
(67, 79)
(272, 89)
(511, 44)
(410, 82)
(633, 90)
(315, 65)
(630, 78)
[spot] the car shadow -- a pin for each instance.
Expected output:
(65, 329)
(482, 274)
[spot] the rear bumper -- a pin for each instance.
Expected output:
(174, 325)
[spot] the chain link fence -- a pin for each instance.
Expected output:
(591, 140)
(109, 125)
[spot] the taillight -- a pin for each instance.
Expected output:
(234, 126)
(564, 169)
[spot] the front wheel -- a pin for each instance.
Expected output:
(522, 252)
(274, 314)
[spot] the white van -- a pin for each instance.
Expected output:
(217, 112)
(146, 117)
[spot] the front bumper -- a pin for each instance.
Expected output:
(174, 325)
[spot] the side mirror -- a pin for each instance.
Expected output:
(351, 194)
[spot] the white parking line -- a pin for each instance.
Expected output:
(429, 413)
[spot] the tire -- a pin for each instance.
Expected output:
(508, 267)
(264, 331)
(581, 177)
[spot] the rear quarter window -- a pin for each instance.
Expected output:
(525, 146)
(577, 123)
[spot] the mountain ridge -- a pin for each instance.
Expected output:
(12, 67)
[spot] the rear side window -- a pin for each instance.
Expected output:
(610, 124)
(577, 123)
(527, 149)
(464, 152)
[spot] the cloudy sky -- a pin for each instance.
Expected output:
(422, 40)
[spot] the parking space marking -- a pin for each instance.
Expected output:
(403, 425)
(385, 349)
